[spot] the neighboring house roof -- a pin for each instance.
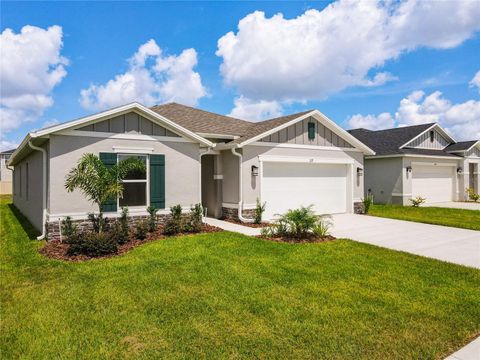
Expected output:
(7, 152)
(389, 141)
(461, 146)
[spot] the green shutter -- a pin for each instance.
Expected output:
(311, 131)
(109, 159)
(157, 181)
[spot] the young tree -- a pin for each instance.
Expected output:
(97, 182)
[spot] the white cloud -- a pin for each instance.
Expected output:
(7, 145)
(323, 52)
(461, 120)
(475, 82)
(151, 78)
(255, 110)
(30, 67)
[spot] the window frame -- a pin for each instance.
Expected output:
(146, 181)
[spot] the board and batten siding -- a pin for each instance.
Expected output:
(129, 123)
(298, 134)
(475, 152)
(424, 142)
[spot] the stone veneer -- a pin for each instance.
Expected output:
(358, 207)
(230, 213)
(53, 227)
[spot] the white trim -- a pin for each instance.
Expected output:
(401, 194)
(432, 164)
(301, 146)
(443, 132)
(301, 159)
(132, 150)
(235, 206)
(413, 156)
(470, 148)
(218, 136)
(324, 120)
(357, 200)
(123, 136)
(217, 177)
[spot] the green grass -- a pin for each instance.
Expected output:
(461, 218)
(225, 295)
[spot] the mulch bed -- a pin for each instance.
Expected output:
(308, 240)
(57, 250)
(252, 225)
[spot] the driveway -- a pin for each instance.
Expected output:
(457, 205)
(459, 246)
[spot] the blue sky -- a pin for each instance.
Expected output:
(273, 65)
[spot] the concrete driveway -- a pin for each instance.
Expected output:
(457, 205)
(459, 246)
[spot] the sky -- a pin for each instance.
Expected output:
(362, 63)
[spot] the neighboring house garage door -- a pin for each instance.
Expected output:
(435, 183)
(290, 185)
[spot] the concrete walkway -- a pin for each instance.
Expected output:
(228, 226)
(457, 205)
(459, 246)
(468, 352)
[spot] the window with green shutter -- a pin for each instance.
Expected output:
(109, 159)
(311, 131)
(157, 181)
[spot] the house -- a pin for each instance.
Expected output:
(5, 172)
(193, 156)
(421, 160)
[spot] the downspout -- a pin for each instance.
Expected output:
(240, 186)
(44, 190)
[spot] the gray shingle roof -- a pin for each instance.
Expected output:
(6, 152)
(460, 146)
(388, 141)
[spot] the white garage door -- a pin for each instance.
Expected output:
(435, 183)
(291, 185)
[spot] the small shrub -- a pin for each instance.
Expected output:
(123, 229)
(417, 201)
(322, 227)
(472, 195)
(98, 222)
(93, 244)
(194, 223)
(69, 230)
(259, 210)
(152, 219)
(367, 202)
(175, 224)
(141, 229)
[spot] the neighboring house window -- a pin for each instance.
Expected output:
(135, 184)
(432, 135)
(311, 131)
(27, 180)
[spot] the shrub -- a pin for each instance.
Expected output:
(367, 202)
(98, 222)
(69, 230)
(259, 210)
(122, 227)
(195, 217)
(322, 227)
(93, 244)
(472, 195)
(417, 201)
(152, 219)
(175, 224)
(141, 229)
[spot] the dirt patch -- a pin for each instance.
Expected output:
(58, 250)
(252, 225)
(312, 239)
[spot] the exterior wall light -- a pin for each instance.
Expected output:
(359, 172)
(254, 170)
(459, 170)
(409, 169)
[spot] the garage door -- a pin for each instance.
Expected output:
(291, 185)
(435, 183)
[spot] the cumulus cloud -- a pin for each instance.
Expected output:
(255, 110)
(152, 77)
(31, 65)
(461, 120)
(475, 82)
(7, 144)
(323, 52)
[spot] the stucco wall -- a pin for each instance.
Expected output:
(30, 205)
(383, 177)
(251, 189)
(230, 171)
(182, 169)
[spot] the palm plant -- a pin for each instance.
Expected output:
(98, 182)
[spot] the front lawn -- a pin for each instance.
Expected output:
(461, 218)
(224, 295)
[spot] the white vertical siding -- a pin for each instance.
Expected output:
(424, 142)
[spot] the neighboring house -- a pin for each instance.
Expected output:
(5, 173)
(421, 160)
(193, 156)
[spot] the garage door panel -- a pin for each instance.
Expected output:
(435, 183)
(291, 185)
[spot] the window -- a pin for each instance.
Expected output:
(26, 181)
(134, 184)
(311, 131)
(432, 135)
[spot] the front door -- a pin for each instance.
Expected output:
(472, 170)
